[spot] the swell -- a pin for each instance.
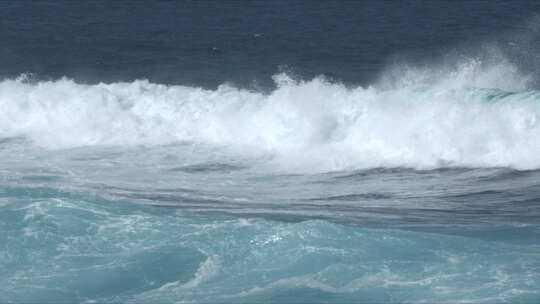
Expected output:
(451, 121)
(56, 248)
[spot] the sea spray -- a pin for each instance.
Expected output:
(448, 120)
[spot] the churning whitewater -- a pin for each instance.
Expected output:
(471, 116)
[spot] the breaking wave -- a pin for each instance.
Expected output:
(470, 115)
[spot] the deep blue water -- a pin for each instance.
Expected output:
(269, 152)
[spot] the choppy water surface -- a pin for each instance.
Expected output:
(201, 222)
(246, 153)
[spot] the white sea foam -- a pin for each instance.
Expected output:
(206, 269)
(473, 114)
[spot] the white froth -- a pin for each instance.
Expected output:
(206, 269)
(471, 115)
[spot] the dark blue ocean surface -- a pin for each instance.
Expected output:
(207, 43)
(269, 152)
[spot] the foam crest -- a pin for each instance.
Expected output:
(472, 115)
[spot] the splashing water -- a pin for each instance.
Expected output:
(410, 190)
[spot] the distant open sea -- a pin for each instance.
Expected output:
(269, 151)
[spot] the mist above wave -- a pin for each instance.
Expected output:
(471, 114)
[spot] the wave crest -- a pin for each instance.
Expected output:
(419, 122)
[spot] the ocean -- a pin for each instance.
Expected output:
(269, 151)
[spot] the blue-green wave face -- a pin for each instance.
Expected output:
(60, 247)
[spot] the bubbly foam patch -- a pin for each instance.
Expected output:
(471, 115)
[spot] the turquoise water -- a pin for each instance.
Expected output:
(106, 225)
(63, 247)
